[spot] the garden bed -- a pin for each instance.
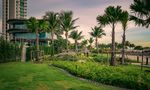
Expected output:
(123, 76)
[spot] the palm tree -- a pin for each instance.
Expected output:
(91, 40)
(32, 25)
(76, 36)
(97, 32)
(141, 10)
(67, 23)
(124, 21)
(53, 23)
(84, 43)
(36, 26)
(111, 17)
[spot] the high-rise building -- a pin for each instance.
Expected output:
(12, 9)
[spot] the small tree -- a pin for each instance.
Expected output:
(97, 32)
(67, 23)
(53, 22)
(84, 43)
(91, 40)
(76, 36)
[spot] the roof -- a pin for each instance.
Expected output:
(16, 21)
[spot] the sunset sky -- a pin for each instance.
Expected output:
(87, 11)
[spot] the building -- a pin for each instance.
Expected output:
(12, 9)
(19, 32)
(14, 23)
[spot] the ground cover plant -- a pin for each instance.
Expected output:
(123, 76)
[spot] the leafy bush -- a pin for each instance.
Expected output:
(100, 58)
(9, 51)
(122, 76)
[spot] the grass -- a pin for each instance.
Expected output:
(29, 76)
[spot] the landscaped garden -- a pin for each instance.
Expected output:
(122, 76)
(79, 64)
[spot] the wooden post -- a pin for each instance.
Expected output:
(142, 61)
(137, 59)
(31, 56)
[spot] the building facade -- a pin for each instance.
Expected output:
(20, 33)
(12, 9)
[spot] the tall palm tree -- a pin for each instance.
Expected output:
(141, 10)
(111, 17)
(36, 26)
(91, 40)
(97, 32)
(53, 22)
(76, 36)
(67, 23)
(124, 21)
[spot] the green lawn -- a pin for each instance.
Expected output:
(29, 76)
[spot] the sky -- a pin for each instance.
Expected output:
(87, 11)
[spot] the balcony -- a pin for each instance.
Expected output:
(17, 26)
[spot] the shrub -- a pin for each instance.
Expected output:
(100, 58)
(123, 76)
(9, 51)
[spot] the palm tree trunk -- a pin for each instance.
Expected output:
(66, 35)
(37, 40)
(37, 46)
(52, 35)
(97, 45)
(112, 62)
(90, 47)
(76, 46)
(123, 47)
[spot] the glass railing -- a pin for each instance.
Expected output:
(18, 27)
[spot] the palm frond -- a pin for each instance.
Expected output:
(138, 21)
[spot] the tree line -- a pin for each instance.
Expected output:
(64, 23)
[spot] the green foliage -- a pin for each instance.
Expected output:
(59, 46)
(141, 10)
(29, 76)
(138, 48)
(97, 32)
(9, 51)
(122, 76)
(66, 21)
(101, 58)
(76, 35)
